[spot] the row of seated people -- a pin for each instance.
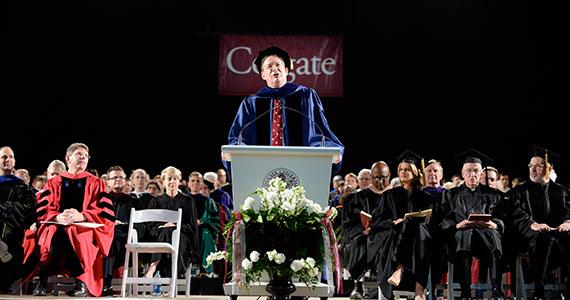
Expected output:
(92, 255)
(402, 250)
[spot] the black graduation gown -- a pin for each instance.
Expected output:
(17, 213)
(354, 242)
(439, 261)
(457, 204)
(122, 204)
(189, 250)
(549, 204)
(142, 202)
(407, 243)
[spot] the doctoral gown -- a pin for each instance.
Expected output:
(304, 122)
(88, 194)
(407, 243)
(17, 212)
(207, 213)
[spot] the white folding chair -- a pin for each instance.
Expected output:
(134, 247)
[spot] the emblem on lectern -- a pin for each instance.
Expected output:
(285, 174)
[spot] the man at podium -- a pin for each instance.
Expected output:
(282, 113)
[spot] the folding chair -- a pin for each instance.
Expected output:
(451, 285)
(134, 247)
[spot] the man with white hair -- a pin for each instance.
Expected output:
(364, 179)
(468, 238)
(55, 168)
(221, 197)
(223, 201)
(140, 180)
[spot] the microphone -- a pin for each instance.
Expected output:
(287, 108)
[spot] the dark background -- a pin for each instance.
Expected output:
(137, 80)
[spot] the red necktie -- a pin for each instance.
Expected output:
(277, 125)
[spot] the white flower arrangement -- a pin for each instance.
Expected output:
(288, 231)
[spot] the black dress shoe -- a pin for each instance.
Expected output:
(40, 289)
(80, 290)
(107, 290)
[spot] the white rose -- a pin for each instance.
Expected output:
(313, 272)
(287, 206)
(272, 196)
(296, 265)
(248, 203)
(310, 262)
(317, 208)
(280, 258)
(271, 254)
(266, 203)
(288, 194)
(254, 256)
(246, 264)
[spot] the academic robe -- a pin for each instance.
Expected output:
(549, 204)
(142, 202)
(407, 243)
(439, 261)
(458, 203)
(17, 212)
(484, 243)
(355, 243)
(122, 206)
(254, 118)
(189, 247)
(90, 245)
(207, 212)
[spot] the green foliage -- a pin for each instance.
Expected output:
(283, 234)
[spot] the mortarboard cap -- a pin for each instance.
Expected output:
(273, 50)
(550, 157)
(411, 157)
(474, 156)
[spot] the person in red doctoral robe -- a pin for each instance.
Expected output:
(72, 197)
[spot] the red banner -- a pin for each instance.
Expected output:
(317, 62)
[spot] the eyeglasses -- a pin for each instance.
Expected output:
(538, 166)
(80, 154)
(117, 178)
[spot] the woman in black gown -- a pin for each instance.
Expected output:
(405, 242)
(173, 199)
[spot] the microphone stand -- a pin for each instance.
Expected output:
(323, 137)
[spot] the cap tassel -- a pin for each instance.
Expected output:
(422, 176)
(547, 164)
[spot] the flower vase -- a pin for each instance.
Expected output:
(280, 288)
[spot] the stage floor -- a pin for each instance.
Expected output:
(205, 297)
